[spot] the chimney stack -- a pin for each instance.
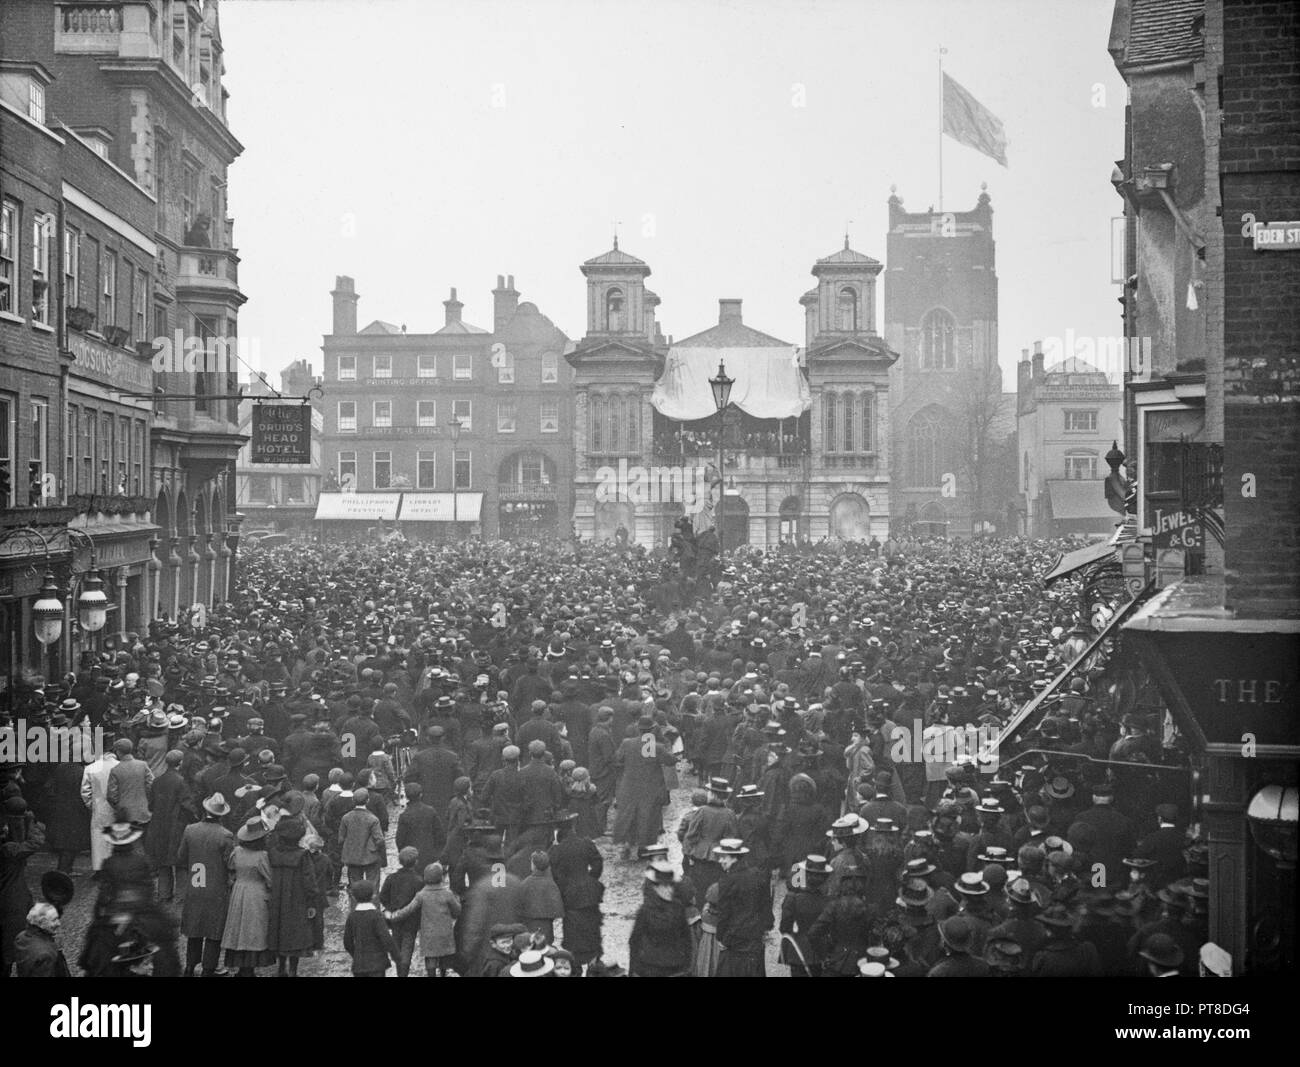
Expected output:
(453, 307)
(729, 312)
(1038, 359)
(345, 305)
(504, 302)
(1024, 371)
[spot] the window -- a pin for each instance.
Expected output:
(71, 267)
(614, 310)
(383, 470)
(505, 368)
(848, 309)
(138, 459)
(8, 255)
(105, 454)
(426, 468)
(426, 366)
(8, 445)
(295, 489)
(189, 192)
(1080, 421)
(867, 436)
(596, 413)
(928, 448)
(383, 413)
(938, 332)
(550, 416)
(70, 458)
(347, 416)
(347, 368)
(550, 368)
(123, 455)
(36, 101)
(1081, 465)
(426, 413)
(461, 470)
(42, 227)
(383, 366)
(830, 404)
(347, 470)
(462, 367)
(850, 423)
(36, 468)
(141, 306)
(259, 488)
(86, 481)
(505, 416)
(108, 277)
(462, 412)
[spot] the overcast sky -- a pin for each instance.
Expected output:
(421, 144)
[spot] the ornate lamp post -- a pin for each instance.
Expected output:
(721, 386)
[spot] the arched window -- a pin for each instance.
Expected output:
(849, 421)
(631, 441)
(929, 456)
(829, 404)
(867, 438)
(614, 310)
(848, 309)
(938, 341)
(597, 417)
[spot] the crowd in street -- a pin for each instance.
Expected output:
(503, 707)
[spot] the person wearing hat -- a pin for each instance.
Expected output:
(1164, 846)
(542, 792)
(910, 918)
(499, 953)
(173, 810)
(804, 902)
(660, 945)
(959, 937)
(1005, 957)
(436, 767)
(151, 739)
(883, 805)
(1063, 955)
(436, 909)
(540, 902)
(204, 854)
(296, 896)
(67, 820)
(1019, 926)
(744, 912)
(990, 834)
(503, 796)
(130, 784)
(1163, 957)
(484, 755)
(244, 938)
(576, 866)
(1112, 831)
(641, 760)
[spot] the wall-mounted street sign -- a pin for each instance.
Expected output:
(281, 433)
(1277, 236)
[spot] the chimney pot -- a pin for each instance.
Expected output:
(510, 282)
(501, 281)
(729, 311)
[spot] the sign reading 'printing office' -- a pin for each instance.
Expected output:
(281, 433)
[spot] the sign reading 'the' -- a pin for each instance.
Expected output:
(281, 433)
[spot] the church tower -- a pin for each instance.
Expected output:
(941, 316)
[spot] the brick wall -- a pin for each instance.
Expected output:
(1260, 166)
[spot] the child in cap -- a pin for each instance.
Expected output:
(398, 890)
(435, 910)
(366, 937)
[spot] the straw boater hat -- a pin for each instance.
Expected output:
(532, 964)
(122, 833)
(730, 846)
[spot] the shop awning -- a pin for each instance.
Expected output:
(1027, 714)
(1073, 499)
(362, 507)
(769, 383)
(1069, 562)
(441, 507)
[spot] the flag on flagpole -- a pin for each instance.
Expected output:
(966, 120)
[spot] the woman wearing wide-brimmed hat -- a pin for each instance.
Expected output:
(248, 913)
(295, 896)
(660, 945)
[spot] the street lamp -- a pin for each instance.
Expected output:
(455, 428)
(721, 386)
(47, 610)
(92, 604)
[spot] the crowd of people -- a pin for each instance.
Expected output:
(436, 738)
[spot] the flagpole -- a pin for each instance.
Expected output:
(942, 52)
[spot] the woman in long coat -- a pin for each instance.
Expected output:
(67, 824)
(295, 896)
(249, 911)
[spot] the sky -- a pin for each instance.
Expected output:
(418, 145)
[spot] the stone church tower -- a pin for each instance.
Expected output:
(941, 316)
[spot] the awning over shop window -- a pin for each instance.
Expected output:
(1073, 499)
(440, 507)
(363, 507)
(1069, 562)
(769, 383)
(1029, 715)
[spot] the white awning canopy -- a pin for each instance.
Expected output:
(441, 507)
(364, 507)
(769, 382)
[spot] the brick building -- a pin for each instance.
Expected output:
(1212, 152)
(953, 473)
(1067, 416)
(462, 431)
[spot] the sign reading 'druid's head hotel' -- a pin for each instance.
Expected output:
(281, 433)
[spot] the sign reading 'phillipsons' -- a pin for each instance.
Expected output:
(281, 433)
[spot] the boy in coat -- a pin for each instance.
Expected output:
(366, 937)
(361, 841)
(398, 890)
(435, 910)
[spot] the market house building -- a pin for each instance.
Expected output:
(391, 398)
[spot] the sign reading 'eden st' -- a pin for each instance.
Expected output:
(281, 433)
